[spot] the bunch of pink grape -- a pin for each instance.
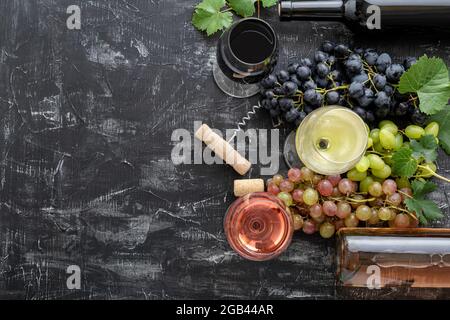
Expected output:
(328, 203)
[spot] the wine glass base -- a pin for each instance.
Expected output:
(233, 88)
(290, 152)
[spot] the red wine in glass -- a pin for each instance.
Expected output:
(246, 53)
(258, 226)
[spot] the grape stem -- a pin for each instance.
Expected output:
(403, 210)
(405, 194)
(433, 173)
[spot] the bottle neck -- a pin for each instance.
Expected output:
(311, 10)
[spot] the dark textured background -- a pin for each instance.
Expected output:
(86, 175)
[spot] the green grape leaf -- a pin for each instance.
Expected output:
(268, 3)
(208, 17)
(422, 188)
(425, 148)
(443, 118)
(244, 8)
(403, 164)
(428, 78)
(426, 210)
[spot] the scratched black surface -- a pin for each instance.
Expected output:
(85, 144)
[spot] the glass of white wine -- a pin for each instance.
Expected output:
(330, 140)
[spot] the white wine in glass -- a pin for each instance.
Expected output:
(330, 140)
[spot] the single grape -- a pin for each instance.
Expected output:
(371, 57)
(343, 209)
(414, 132)
(356, 90)
(273, 188)
(303, 73)
(398, 141)
(322, 70)
(277, 179)
(307, 174)
(334, 179)
(375, 135)
(309, 227)
(269, 81)
(382, 100)
(292, 67)
(286, 198)
(393, 216)
(369, 143)
(320, 56)
(332, 97)
(363, 164)
(298, 221)
(341, 51)
(310, 196)
(308, 85)
(290, 88)
(428, 170)
(389, 126)
(356, 175)
(351, 221)
(432, 128)
(329, 208)
(383, 173)
(374, 219)
(345, 186)
(376, 162)
(365, 183)
(375, 189)
(295, 175)
(402, 221)
(363, 213)
(387, 139)
(283, 76)
(328, 47)
(286, 104)
(354, 66)
(384, 214)
(316, 179)
(394, 72)
(402, 109)
(367, 98)
(361, 78)
(292, 115)
(325, 188)
(406, 193)
(384, 60)
(297, 195)
(306, 62)
(315, 210)
(286, 186)
(389, 187)
(379, 81)
(327, 230)
(378, 148)
(395, 199)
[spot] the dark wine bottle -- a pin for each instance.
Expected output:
(371, 14)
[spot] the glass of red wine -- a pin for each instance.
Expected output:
(246, 53)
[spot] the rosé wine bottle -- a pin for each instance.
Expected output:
(258, 226)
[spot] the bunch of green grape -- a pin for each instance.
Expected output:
(382, 143)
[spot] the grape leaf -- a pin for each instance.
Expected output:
(426, 210)
(403, 164)
(425, 148)
(428, 78)
(443, 118)
(268, 3)
(422, 188)
(244, 8)
(208, 17)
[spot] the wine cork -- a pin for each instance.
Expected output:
(223, 149)
(246, 186)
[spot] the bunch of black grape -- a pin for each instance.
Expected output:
(361, 79)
